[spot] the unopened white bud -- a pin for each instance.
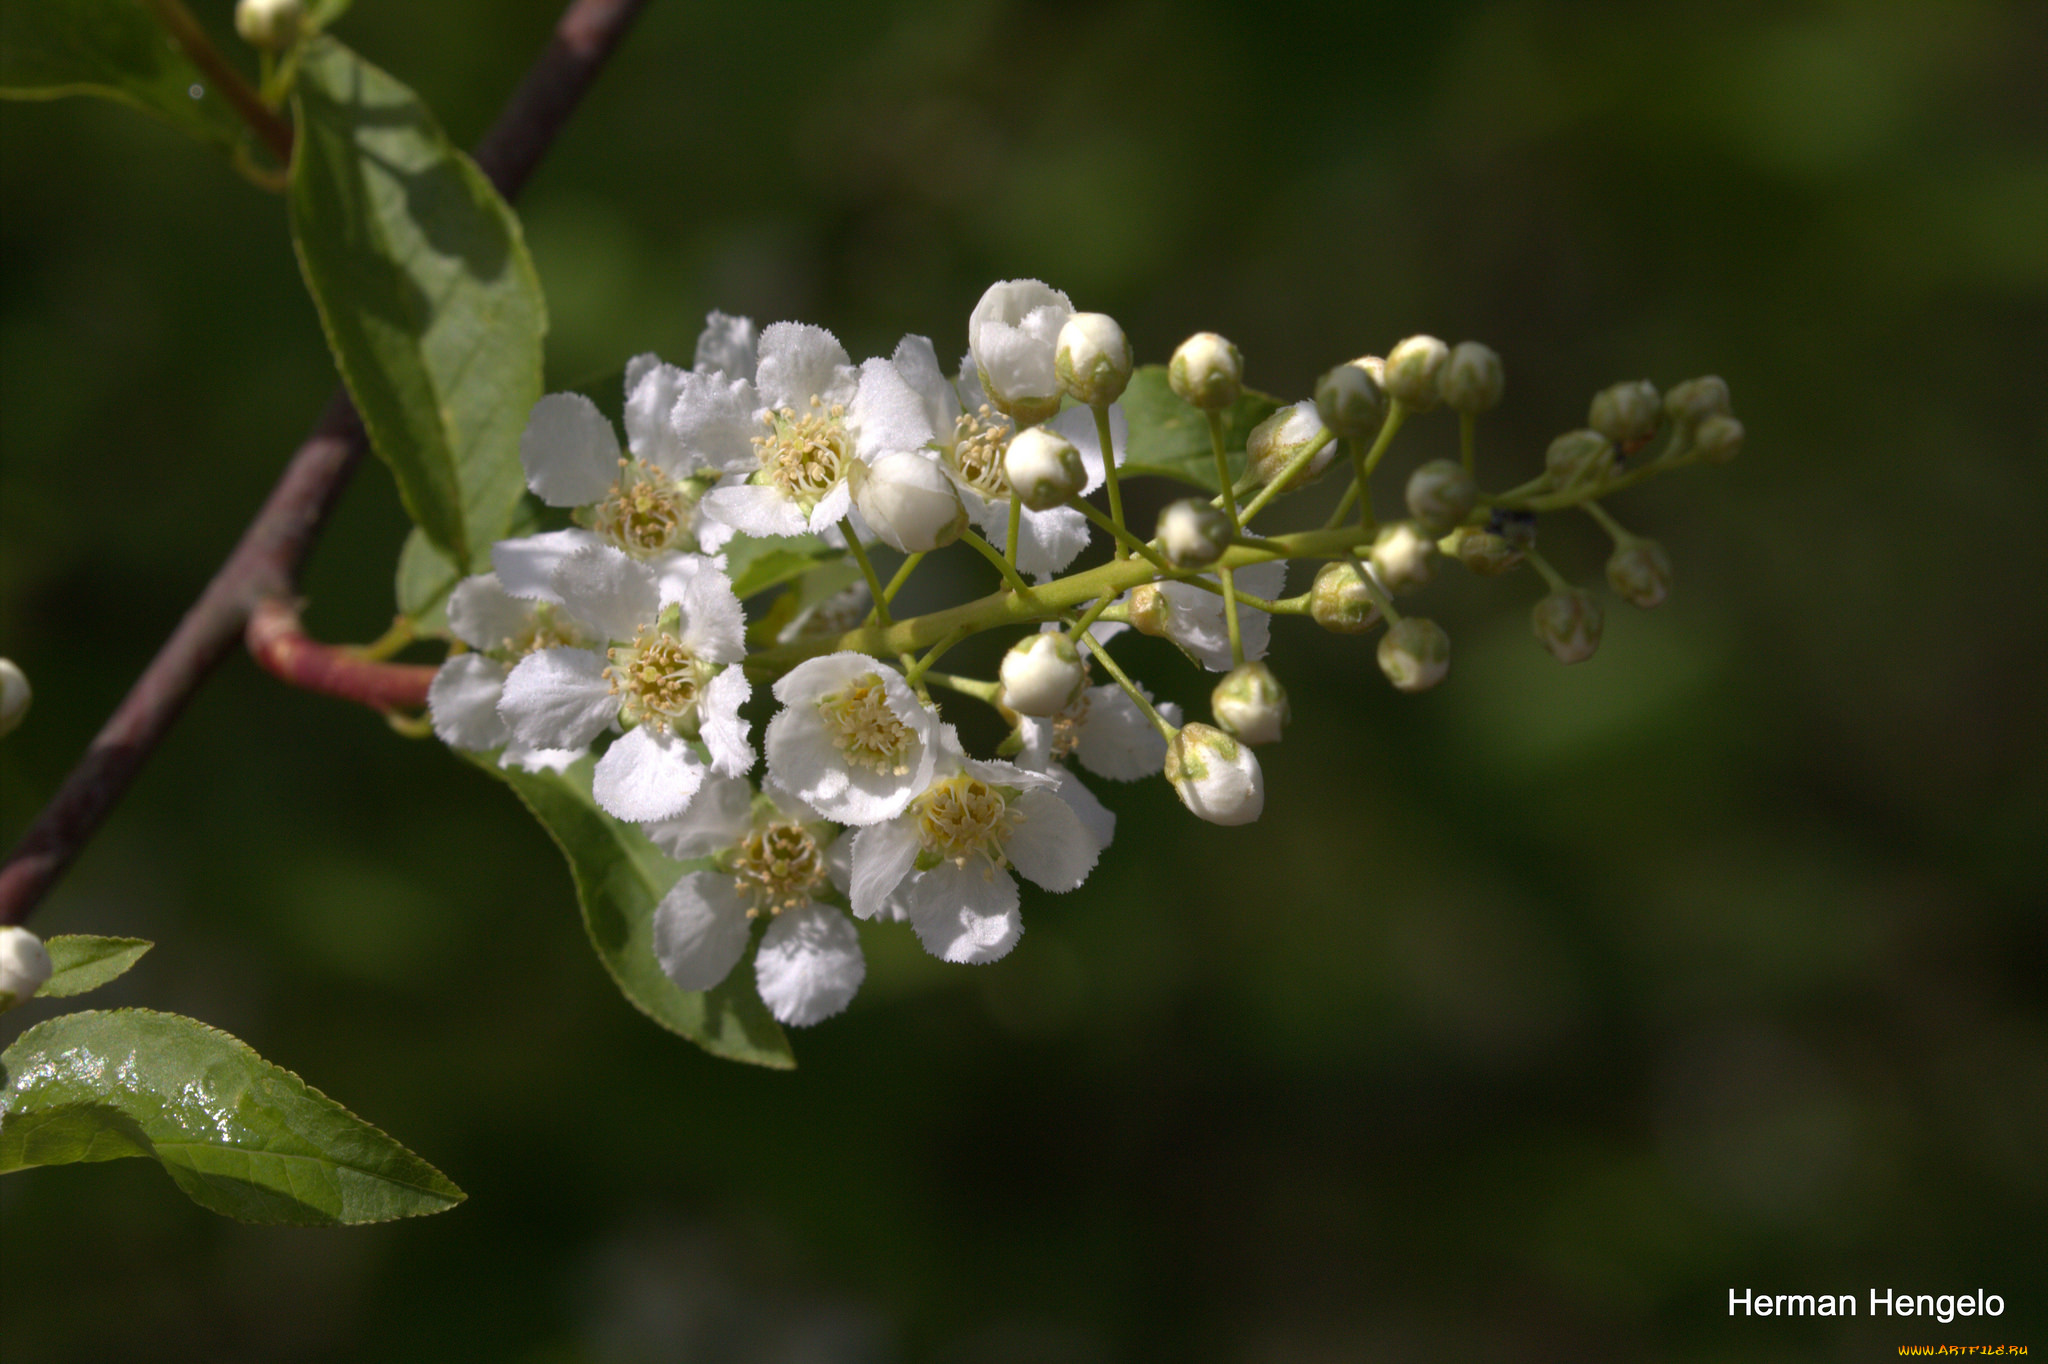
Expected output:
(1696, 399)
(1215, 776)
(1415, 654)
(1042, 674)
(1148, 610)
(1192, 534)
(1640, 571)
(1441, 494)
(1485, 552)
(1206, 372)
(1412, 370)
(1568, 624)
(1012, 334)
(15, 694)
(24, 966)
(1578, 454)
(1626, 413)
(1404, 557)
(1093, 359)
(272, 25)
(1340, 602)
(1350, 400)
(1472, 379)
(1282, 436)
(1250, 704)
(1044, 468)
(910, 503)
(1717, 439)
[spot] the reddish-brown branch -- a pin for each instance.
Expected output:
(261, 573)
(279, 643)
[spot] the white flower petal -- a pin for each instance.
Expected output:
(724, 732)
(483, 615)
(966, 912)
(719, 816)
(802, 757)
(650, 434)
(569, 450)
(1196, 620)
(918, 363)
(558, 698)
(824, 519)
(882, 857)
(715, 423)
(1012, 333)
(726, 346)
(645, 776)
(799, 362)
(714, 627)
(1049, 844)
(526, 566)
(1098, 819)
(604, 589)
(809, 965)
(1077, 424)
(756, 509)
(1117, 739)
(527, 758)
(700, 930)
(886, 413)
(839, 860)
(463, 701)
(1047, 541)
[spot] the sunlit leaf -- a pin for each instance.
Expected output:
(110, 48)
(243, 1137)
(82, 961)
(1171, 439)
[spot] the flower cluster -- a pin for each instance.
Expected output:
(624, 630)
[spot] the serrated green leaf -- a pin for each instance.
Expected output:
(426, 292)
(241, 1136)
(113, 49)
(83, 961)
(620, 877)
(1170, 439)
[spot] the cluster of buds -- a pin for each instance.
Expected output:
(624, 638)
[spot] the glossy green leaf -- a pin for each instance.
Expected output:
(114, 49)
(755, 565)
(1170, 439)
(620, 876)
(426, 292)
(82, 961)
(243, 1137)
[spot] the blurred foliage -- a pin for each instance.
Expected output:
(1538, 1012)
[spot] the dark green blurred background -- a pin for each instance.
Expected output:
(1536, 1014)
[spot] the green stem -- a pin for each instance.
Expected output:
(966, 686)
(1216, 443)
(1396, 414)
(1372, 589)
(185, 31)
(915, 675)
(1109, 473)
(1131, 690)
(1003, 566)
(389, 644)
(1293, 466)
(1230, 616)
(1091, 615)
(1554, 579)
(867, 570)
(889, 593)
(1016, 530)
(1124, 539)
(1607, 523)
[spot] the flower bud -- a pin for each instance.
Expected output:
(1192, 534)
(1485, 552)
(1148, 610)
(1206, 372)
(1415, 654)
(1640, 571)
(1626, 413)
(1472, 379)
(272, 25)
(1412, 369)
(1717, 439)
(1351, 402)
(1012, 334)
(14, 695)
(1042, 674)
(1093, 359)
(1697, 399)
(1578, 454)
(1044, 468)
(24, 965)
(1441, 494)
(1568, 624)
(910, 503)
(1215, 776)
(1340, 603)
(1404, 557)
(1250, 704)
(1282, 436)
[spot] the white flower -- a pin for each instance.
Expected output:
(772, 857)
(852, 738)
(787, 439)
(1195, 619)
(1041, 674)
(1215, 776)
(973, 439)
(727, 345)
(24, 965)
(908, 501)
(667, 675)
(1013, 334)
(955, 845)
(500, 629)
(1105, 730)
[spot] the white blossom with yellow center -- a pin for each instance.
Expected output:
(945, 863)
(852, 739)
(500, 629)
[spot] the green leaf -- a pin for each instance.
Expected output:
(82, 961)
(755, 565)
(1170, 439)
(243, 1137)
(426, 576)
(114, 49)
(620, 877)
(426, 292)
(321, 13)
